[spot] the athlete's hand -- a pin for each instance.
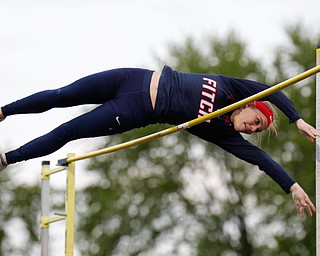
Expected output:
(301, 200)
(307, 130)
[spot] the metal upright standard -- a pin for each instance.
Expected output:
(69, 163)
(318, 154)
(46, 220)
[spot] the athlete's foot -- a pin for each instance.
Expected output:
(2, 117)
(3, 162)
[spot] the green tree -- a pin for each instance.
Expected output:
(18, 207)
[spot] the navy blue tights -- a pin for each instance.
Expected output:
(123, 95)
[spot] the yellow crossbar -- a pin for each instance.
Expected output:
(198, 120)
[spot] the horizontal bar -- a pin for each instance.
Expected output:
(46, 220)
(47, 172)
(199, 120)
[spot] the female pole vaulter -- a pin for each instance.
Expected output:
(131, 98)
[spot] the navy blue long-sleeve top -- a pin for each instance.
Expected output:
(185, 96)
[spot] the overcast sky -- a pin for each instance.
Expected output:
(48, 44)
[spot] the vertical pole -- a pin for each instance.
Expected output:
(45, 208)
(318, 154)
(70, 207)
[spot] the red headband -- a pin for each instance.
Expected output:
(265, 110)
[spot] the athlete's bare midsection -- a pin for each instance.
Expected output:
(154, 87)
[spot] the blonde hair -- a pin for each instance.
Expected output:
(273, 127)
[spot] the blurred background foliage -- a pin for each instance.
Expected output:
(179, 195)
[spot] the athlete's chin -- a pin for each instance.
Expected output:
(241, 128)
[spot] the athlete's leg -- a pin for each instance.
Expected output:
(97, 122)
(94, 89)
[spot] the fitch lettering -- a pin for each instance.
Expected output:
(206, 106)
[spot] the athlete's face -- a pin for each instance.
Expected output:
(249, 119)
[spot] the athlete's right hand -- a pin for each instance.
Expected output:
(301, 200)
(307, 130)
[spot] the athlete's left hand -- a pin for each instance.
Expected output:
(301, 200)
(307, 130)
